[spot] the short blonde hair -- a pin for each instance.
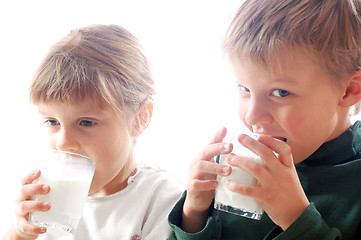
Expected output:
(103, 62)
(329, 29)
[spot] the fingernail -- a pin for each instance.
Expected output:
(226, 146)
(241, 137)
(230, 158)
(45, 188)
(46, 205)
(226, 169)
(42, 230)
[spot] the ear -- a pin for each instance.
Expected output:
(143, 117)
(352, 93)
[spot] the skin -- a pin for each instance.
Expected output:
(302, 104)
(89, 129)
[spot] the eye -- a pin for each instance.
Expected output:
(280, 93)
(243, 88)
(51, 122)
(87, 123)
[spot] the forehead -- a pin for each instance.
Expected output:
(289, 72)
(282, 62)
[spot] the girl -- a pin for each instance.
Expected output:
(94, 91)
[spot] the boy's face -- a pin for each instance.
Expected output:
(88, 129)
(301, 103)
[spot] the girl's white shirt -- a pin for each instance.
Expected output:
(138, 212)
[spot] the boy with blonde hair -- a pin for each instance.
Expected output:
(297, 65)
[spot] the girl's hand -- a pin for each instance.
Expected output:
(279, 191)
(24, 205)
(202, 183)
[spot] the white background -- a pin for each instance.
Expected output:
(182, 39)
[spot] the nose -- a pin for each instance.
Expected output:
(257, 112)
(66, 141)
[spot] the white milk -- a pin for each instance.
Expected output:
(69, 186)
(236, 203)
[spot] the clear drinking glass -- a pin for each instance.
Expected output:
(69, 176)
(235, 203)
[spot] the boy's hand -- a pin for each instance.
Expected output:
(202, 183)
(278, 191)
(24, 205)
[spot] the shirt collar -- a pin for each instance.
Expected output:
(342, 149)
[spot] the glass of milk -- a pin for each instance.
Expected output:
(235, 203)
(69, 176)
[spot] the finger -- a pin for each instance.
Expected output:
(280, 147)
(30, 177)
(251, 191)
(25, 227)
(219, 136)
(29, 190)
(24, 208)
(249, 165)
(264, 152)
(200, 186)
(215, 149)
(250, 143)
(202, 168)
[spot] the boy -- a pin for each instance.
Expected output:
(297, 65)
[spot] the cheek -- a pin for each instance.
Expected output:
(302, 130)
(51, 140)
(116, 145)
(294, 122)
(300, 119)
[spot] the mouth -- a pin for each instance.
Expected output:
(283, 139)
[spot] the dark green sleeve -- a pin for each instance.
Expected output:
(308, 226)
(211, 231)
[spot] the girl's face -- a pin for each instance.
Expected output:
(94, 131)
(299, 103)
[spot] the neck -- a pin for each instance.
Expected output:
(119, 182)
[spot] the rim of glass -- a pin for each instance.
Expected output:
(73, 153)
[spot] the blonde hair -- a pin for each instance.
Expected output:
(330, 30)
(103, 62)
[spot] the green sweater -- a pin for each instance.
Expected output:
(331, 178)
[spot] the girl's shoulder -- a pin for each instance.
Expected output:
(154, 175)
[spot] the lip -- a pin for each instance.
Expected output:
(274, 136)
